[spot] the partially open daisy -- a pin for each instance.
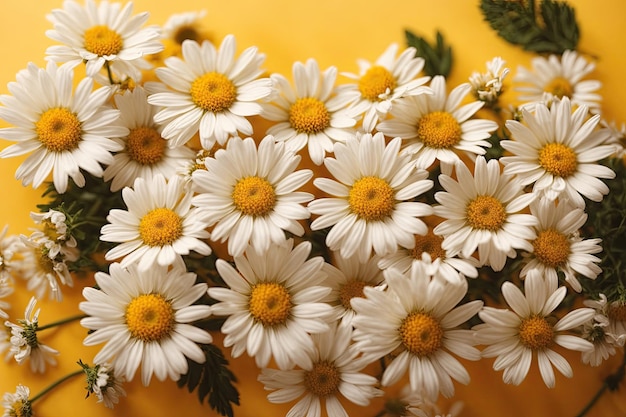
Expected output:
(313, 113)
(159, 226)
(102, 34)
(555, 78)
(274, 302)
(17, 404)
(384, 82)
(514, 336)
(436, 126)
(488, 86)
(145, 152)
(557, 151)
(146, 318)
(372, 203)
(334, 371)
(596, 330)
(418, 320)
(210, 92)
(66, 132)
(483, 212)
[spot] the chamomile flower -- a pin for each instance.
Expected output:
(483, 212)
(17, 404)
(103, 381)
(381, 84)
(145, 153)
(371, 205)
(211, 92)
(436, 126)
(556, 78)
(517, 334)
(250, 194)
(489, 86)
(595, 331)
(54, 233)
(274, 302)
(418, 319)
(557, 151)
(313, 113)
(66, 132)
(334, 370)
(182, 26)
(559, 246)
(146, 318)
(159, 226)
(102, 34)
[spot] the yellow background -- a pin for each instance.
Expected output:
(336, 33)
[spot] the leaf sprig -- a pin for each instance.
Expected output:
(438, 57)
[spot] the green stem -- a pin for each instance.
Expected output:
(109, 73)
(61, 322)
(55, 384)
(611, 382)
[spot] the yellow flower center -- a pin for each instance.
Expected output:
(536, 333)
(617, 312)
(439, 130)
(486, 212)
(371, 198)
(254, 196)
(20, 408)
(421, 334)
(309, 115)
(149, 317)
(58, 129)
(213, 92)
(560, 87)
(145, 146)
(349, 290)
(375, 82)
(159, 227)
(43, 260)
(429, 243)
(101, 40)
(323, 380)
(558, 159)
(270, 303)
(551, 248)
(50, 230)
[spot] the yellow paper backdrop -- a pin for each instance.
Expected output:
(335, 32)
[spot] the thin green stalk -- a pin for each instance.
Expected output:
(61, 322)
(55, 384)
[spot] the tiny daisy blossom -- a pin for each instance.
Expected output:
(102, 34)
(437, 126)
(559, 247)
(514, 336)
(615, 311)
(313, 113)
(274, 301)
(54, 232)
(26, 345)
(418, 319)
(595, 331)
(250, 195)
(557, 78)
(381, 84)
(17, 404)
(65, 131)
(146, 318)
(557, 151)
(145, 153)
(211, 92)
(159, 226)
(334, 370)
(371, 205)
(489, 86)
(102, 381)
(482, 212)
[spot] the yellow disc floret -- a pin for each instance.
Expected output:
(376, 81)
(59, 130)
(536, 333)
(309, 115)
(558, 159)
(439, 130)
(322, 380)
(149, 317)
(161, 226)
(102, 41)
(485, 212)
(421, 334)
(254, 196)
(560, 87)
(371, 198)
(349, 290)
(213, 92)
(270, 303)
(429, 243)
(145, 145)
(552, 248)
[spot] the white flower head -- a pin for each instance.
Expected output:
(488, 86)
(182, 26)
(103, 381)
(17, 404)
(55, 235)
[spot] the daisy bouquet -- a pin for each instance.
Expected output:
(360, 237)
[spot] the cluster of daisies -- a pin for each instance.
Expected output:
(365, 259)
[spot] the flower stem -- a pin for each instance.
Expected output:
(55, 384)
(611, 383)
(61, 322)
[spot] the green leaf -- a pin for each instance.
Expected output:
(438, 58)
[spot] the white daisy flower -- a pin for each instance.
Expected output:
(371, 205)
(557, 151)
(274, 301)
(159, 226)
(556, 78)
(103, 381)
(211, 92)
(334, 370)
(25, 343)
(559, 246)
(250, 195)
(483, 212)
(103, 34)
(17, 404)
(65, 132)
(595, 331)
(54, 234)
(514, 336)
(182, 26)
(381, 84)
(313, 113)
(489, 86)
(418, 320)
(437, 126)
(612, 315)
(146, 318)
(145, 153)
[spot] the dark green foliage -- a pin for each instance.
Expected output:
(438, 57)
